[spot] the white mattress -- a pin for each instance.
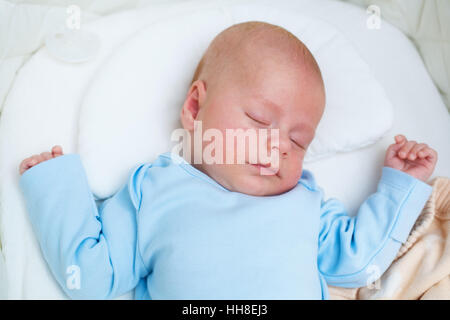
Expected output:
(35, 118)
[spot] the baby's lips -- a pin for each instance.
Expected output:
(268, 171)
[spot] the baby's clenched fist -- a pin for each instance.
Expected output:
(415, 159)
(38, 158)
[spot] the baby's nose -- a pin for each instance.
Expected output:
(281, 144)
(284, 146)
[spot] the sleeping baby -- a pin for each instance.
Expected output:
(184, 229)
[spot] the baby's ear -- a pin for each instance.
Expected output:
(192, 103)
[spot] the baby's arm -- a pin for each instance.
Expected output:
(355, 251)
(93, 253)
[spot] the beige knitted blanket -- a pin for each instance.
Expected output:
(421, 269)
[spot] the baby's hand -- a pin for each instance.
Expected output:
(415, 159)
(38, 158)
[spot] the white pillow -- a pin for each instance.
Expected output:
(132, 105)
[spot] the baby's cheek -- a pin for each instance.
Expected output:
(293, 170)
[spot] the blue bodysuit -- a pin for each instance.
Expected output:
(172, 232)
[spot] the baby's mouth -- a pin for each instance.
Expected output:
(265, 169)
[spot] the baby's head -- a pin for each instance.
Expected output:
(255, 75)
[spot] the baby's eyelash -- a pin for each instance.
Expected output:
(297, 144)
(256, 120)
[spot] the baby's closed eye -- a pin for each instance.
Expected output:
(298, 144)
(258, 119)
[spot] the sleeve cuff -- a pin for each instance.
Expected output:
(416, 192)
(35, 180)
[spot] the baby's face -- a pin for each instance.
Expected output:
(272, 96)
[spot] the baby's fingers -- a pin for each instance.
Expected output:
(23, 166)
(413, 153)
(392, 150)
(57, 151)
(400, 139)
(404, 151)
(428, 153)
(28, 163)
(46, 156)
(31, 161)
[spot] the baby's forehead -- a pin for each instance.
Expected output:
(251, 44)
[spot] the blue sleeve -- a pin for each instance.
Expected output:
(92, 252)
(355, 251)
